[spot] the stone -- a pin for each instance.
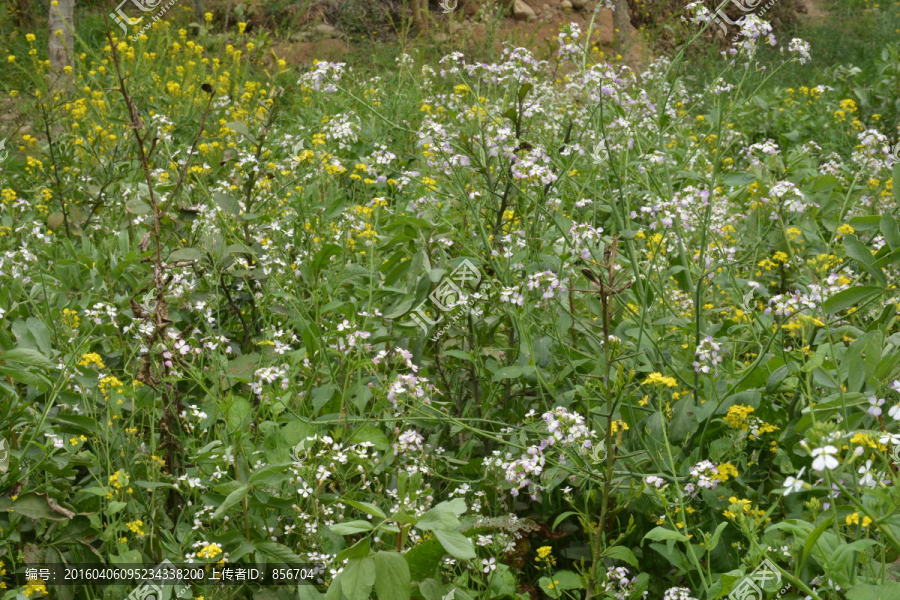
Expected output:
(523, 12)
(566, 5)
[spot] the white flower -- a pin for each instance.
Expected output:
(654, 481)
(894, 412)
(792, 485)
(875, 405)
(867, 480)
(801, 48)
(489, 564)
(823, 458)
(890, 438)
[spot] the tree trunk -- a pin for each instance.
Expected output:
(61, 19)
(621, 24)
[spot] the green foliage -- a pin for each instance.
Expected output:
(452, 330)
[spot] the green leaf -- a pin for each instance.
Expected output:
(890, 231)
(865, 591)
(621, 553)
(136, 206)
(239, 127)
(456, 544)
(357, 579)
(438, 517)
(392, 579)
(424, 559)
(27, 356)
(351, 527)
(230, 500)
(243, 366)
(512, 372)
(858, 252)
(358, 550)
(739, 179)
(226, 202)
(31, 506)
(714, 540)
(373, 435)
(659, 534)
(279, 552)
(560, 518)
(185, 254)
(366, 507)
(27, 377)
(849, 297)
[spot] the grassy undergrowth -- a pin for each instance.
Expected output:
(455, 329)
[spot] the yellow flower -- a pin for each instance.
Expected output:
(242, 27)
(846, 229)
(92, 358)
(618, 425)
(848, 105)
(71, 318)
(737, 416)
(545, 555)
(137, 527)
(110, 383)
(35, 586)
(659, 379)
(208, 17)
(852, 519)
(725, 471)
(210, 551)
(118, 479)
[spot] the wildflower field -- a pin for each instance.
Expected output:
(448, 328)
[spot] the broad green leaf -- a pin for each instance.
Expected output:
(392, 579)
(357, 578)
(230, 500)
(456, 544)
(27, 356)
(659, 534)
(849, 297)
(351, 527)
(865, 591)
(366, 507)
(185, 254)
(31, 506)
(621, 553)
(279, 552)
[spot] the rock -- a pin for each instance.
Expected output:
(566, 5)
(523, 12)
(326, 30)
(578, 4)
